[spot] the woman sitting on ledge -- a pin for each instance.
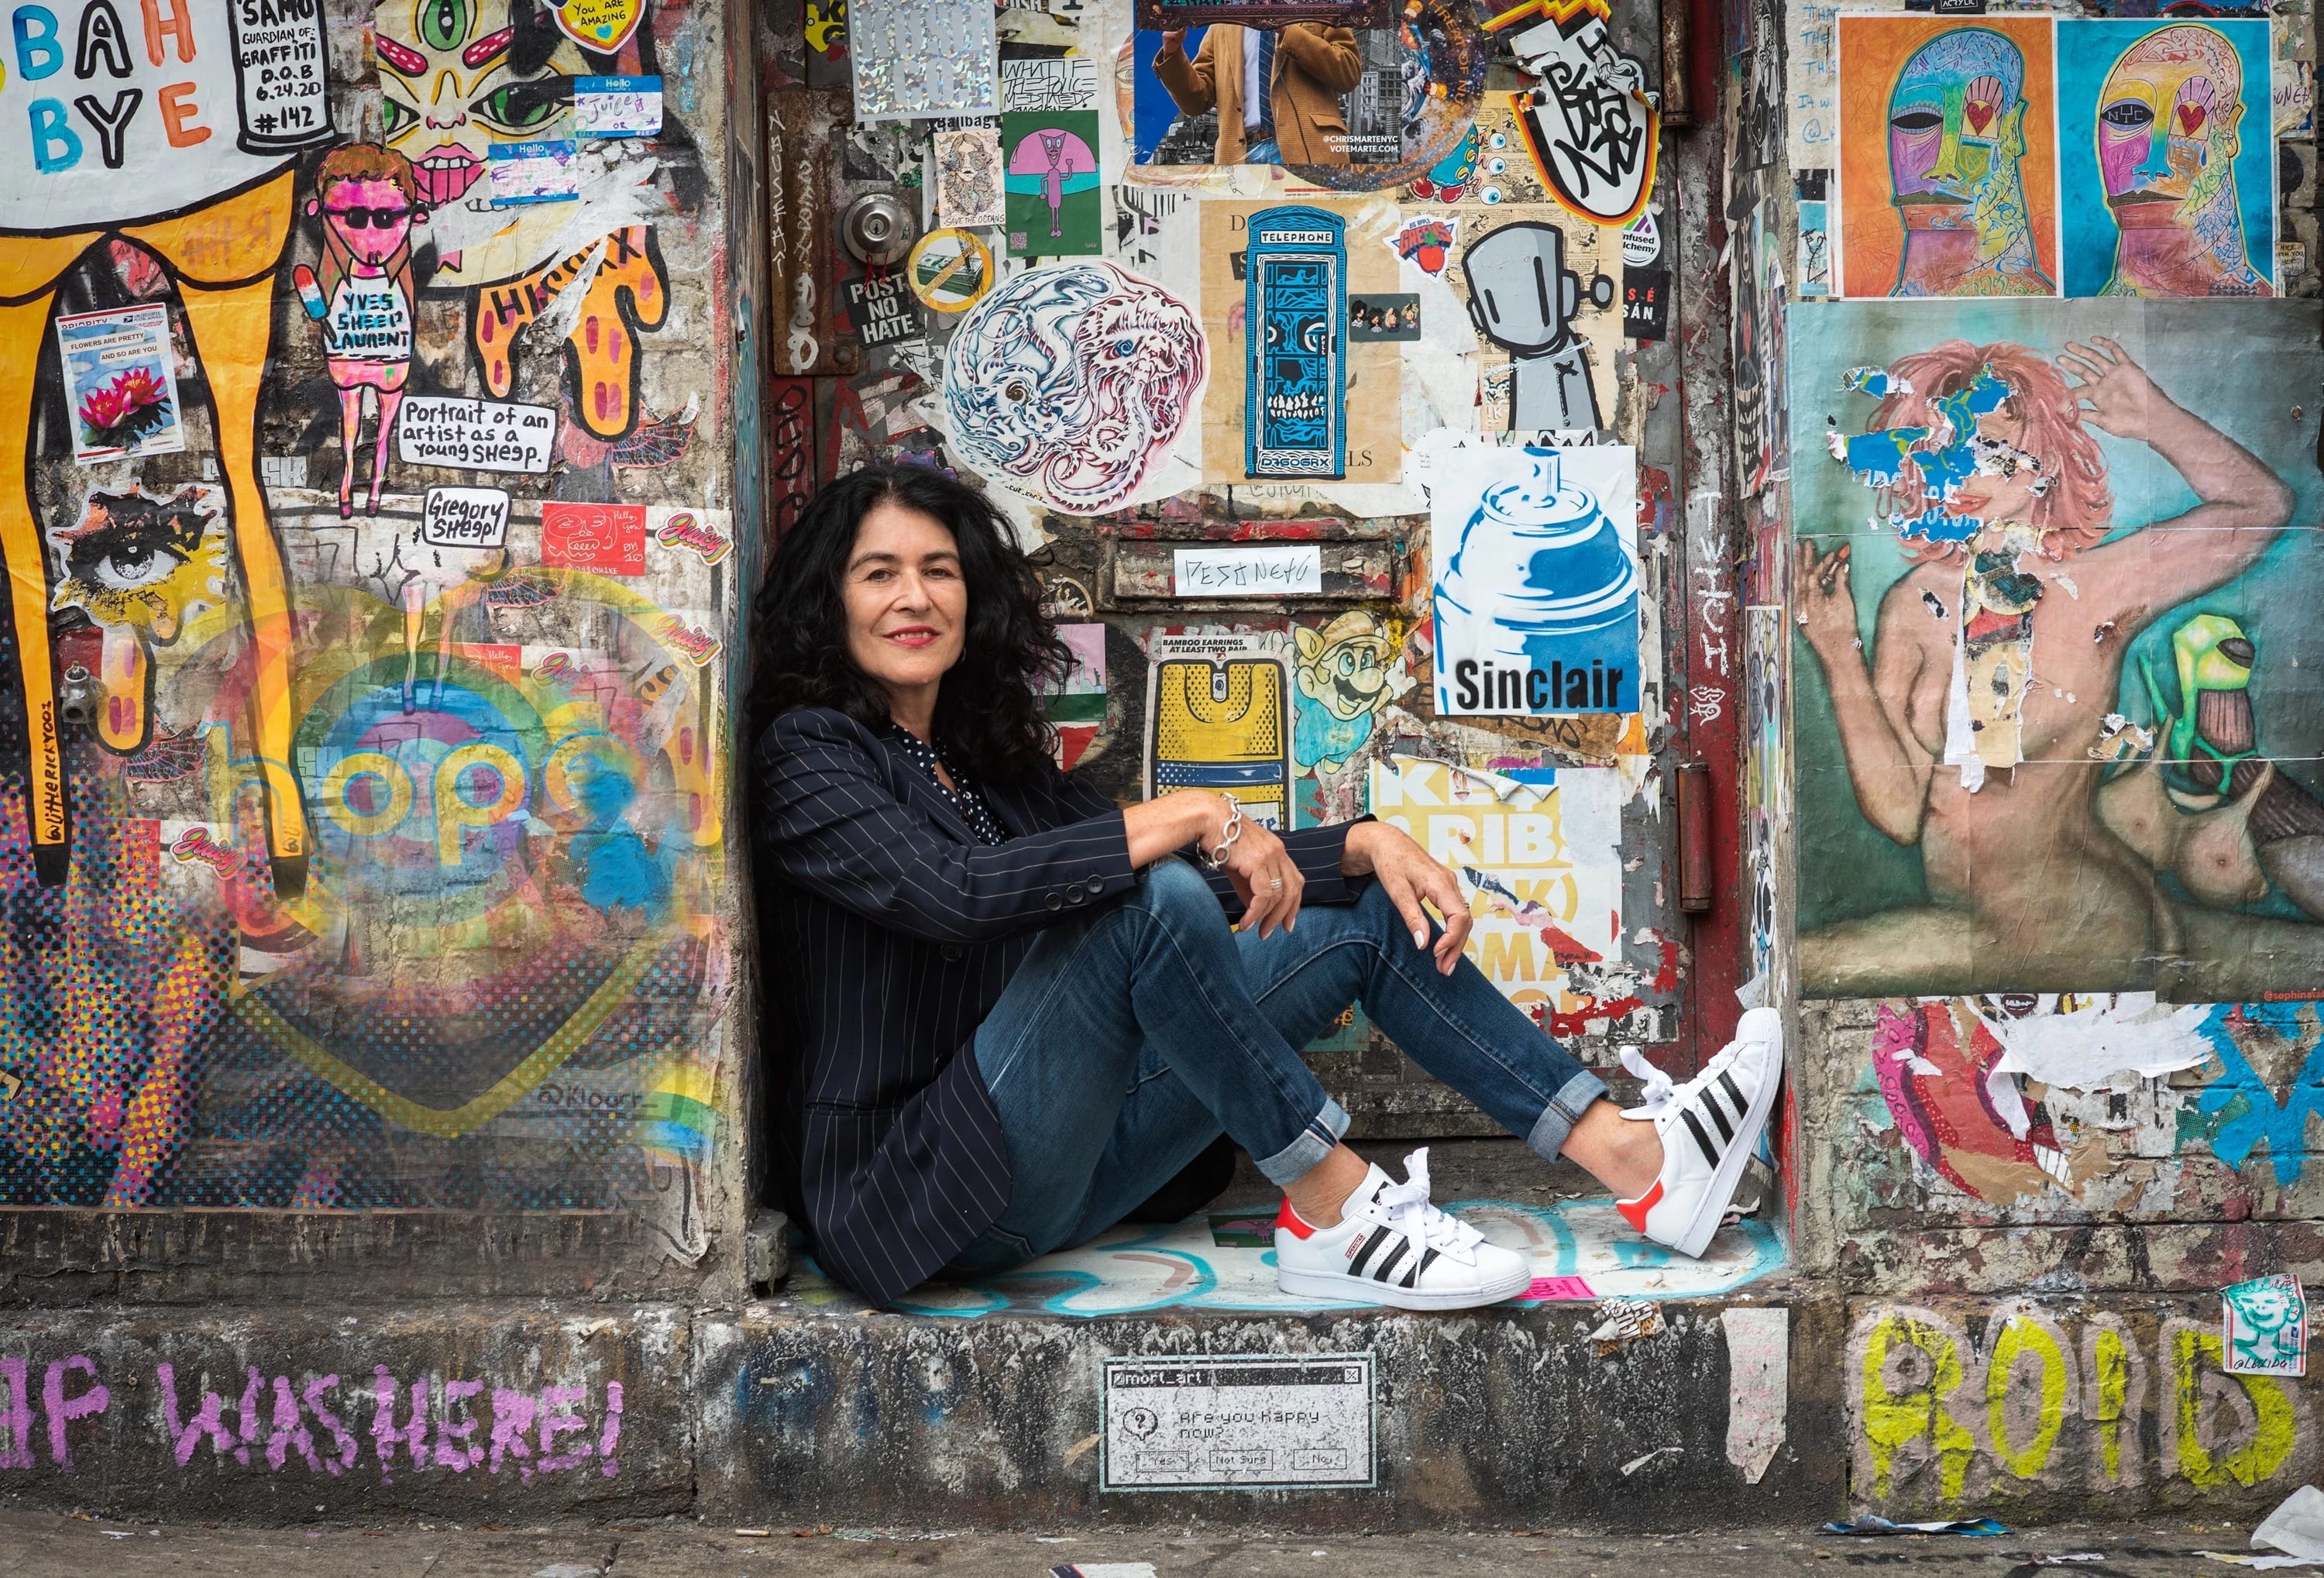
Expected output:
(1012, 1010)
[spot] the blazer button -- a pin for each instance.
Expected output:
(1055, 901)
(1074, 895)
(955, 951)
(1096, 885)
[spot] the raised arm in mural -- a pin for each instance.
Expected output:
(1975, 726)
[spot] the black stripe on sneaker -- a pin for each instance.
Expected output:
(1734, 1093)
(1726, 1130)
(1379, 1236)
(1710, 1151)
(1388, 1260)
(1412, 1277)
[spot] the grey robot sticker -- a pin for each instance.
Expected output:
(1524, 299)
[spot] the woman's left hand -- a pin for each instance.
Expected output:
(1377, 850)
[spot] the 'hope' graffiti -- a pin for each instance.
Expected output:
(445, 1424)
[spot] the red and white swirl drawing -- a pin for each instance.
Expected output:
(1070, 382)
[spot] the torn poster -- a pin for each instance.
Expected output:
(1074, 704)
(1056, 207)
(2081, 1040)
(1536, 593)
(1537, 854)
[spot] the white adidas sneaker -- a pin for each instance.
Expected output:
(1392, 1247)
(1708, 1128)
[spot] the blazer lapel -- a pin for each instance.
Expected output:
(923, 792)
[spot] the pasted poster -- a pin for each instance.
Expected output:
(1537, 853)
(1219, 718)
(1276, 282)
(2055, 722)
(1536, 596)
(1948, 157)
(914, 60)
(2167, 170)
(1055, 203)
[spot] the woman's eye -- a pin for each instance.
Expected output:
(125, 569)
(394, 117)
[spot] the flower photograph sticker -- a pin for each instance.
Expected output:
(120, 383)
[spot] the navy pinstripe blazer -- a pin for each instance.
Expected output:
(887, 934)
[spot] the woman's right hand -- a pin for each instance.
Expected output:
(1825, 606)
(1258, 865)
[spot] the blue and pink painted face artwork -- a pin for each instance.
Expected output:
(1947, 163)
(2165, 194)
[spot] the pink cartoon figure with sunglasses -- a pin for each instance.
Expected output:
(369, 200)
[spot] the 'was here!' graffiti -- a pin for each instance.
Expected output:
(360, 813)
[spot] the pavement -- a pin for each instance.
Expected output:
(44, 1544)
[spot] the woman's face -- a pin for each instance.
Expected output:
(2008, 483)
(907, 604)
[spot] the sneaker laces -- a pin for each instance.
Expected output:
(1657, 1091)
(1410, 1214)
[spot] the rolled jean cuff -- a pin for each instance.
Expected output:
(1564, 1111)
(1314, 1143)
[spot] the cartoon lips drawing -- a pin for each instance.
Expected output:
(1965, 1119)
(445, 174)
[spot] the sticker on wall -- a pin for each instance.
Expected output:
(949, 271)
(970, 181)
(1219, 718)
(1538, 859)
(1278, 569)
(616, 107)
(464, 517)
(1345, 672)
(1536, 593)
(1645, 303)
(1524, 299)
(1054, 202)
(482, 434)
(1948, 167)
(1811, 267)
(1074, 704)
(1426, 241)
(1591, 129)
(917, 59)
(2166, 169)
(2164, 738)
(1384, 318)
(120, 383)
(700, 532)
(2264, 1326)
(1070, 382)
(1048, 84)
(608, 539)
(1294, 307)
(601, 26)
(540, 172)
(1243, 1421)
(880, 310)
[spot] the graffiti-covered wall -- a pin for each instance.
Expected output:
(367, 506)
(2039, 495)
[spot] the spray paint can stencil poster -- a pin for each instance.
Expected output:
(1537, 582)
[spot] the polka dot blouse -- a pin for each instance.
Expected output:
(964, 796)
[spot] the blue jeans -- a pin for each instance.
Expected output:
(1130, 1040)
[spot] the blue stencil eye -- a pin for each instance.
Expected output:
(1124, 347)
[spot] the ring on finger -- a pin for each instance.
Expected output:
(1276, 884)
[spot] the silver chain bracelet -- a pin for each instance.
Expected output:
(1215, 857)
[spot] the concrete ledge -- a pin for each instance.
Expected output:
(66, 1258)
(279, 1415)
(1512, 1417)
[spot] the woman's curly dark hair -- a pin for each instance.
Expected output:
(989, 718)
